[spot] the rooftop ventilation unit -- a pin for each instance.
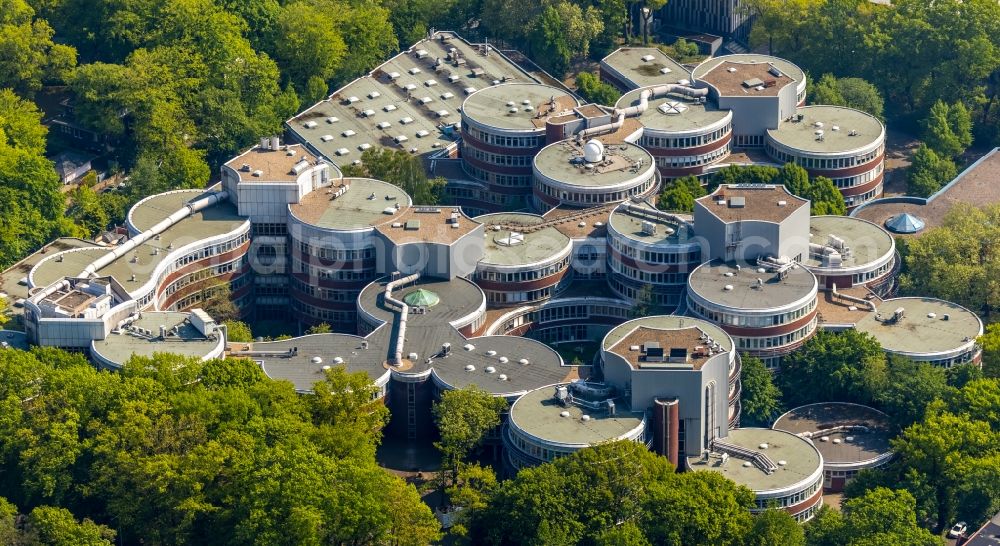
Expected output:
(774, 72)
(406, 120)
(326, 138)
(389, 107)
(469, 90)
(374, 95)
(364, 146)
(348, 133)
(310, 124)
(648, 58)
(648, 228)
(343, 151)
(430, 83)
(332, 119)
(665, 70)
(383, 125)
(447, 95)
(368, 113)
(393, 75)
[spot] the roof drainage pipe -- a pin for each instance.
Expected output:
(638, 109)
(182, 213)
(397, 356)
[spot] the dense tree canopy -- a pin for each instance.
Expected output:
(172, 450)
(843, 367)
(760, 398)
(913, 51)
(823, 195)
(679, 194)
(594, 90)
(958, 261)
(852, 92)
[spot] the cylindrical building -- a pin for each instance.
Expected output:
(843, 144)
(783, 470)
(684, 134)
(925, 330)
(523, 263)
(333, 247)
(648, 247)
(579, 175)
(850, 437)
(503, 127)
(845, 252)
(769, 310)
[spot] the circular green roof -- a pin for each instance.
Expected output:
(422, 298)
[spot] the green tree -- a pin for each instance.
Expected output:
(238, 331)
(775, 526)
(738, 174)
(948, 129)
(594, 90)
(795, 179)
(347, 412)
(679, 194)
(402, 169)
(851, 92)
(847, 367)
(642, 305)
(910, 387)
(321, 328)
(548, 42)
(86, 210)
(48, 525)
(464, 417)
(760, 398)
(928, 171)
(825, 198)
(698, 508)
(369, 36)
(28, 55)
(217, 300)
(990, 342)
(957, 261)
(626, 534)
(308, 43)
(470, 492)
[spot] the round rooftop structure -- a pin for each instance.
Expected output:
(787, 472)
(728, 72)
(512, 241)
(675, 114)
(737, 288)
(629, 221)
(516, 106)
(564, 177)
(905, 223)
(181, 338)
(842, 245)
(685, 330)
(542, 426)
(353, 204)
(851, 437)
(827, 130)
(925, 329)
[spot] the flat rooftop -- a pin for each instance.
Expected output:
(518, 106)
(801, 459)
(918, 332)
(867, 241)
(976, 186)
(843, 130)
(671, 332)
(356, 208)
(217, 219)
(747, 66)
(710, 280)
(272, 165)
(581, 224)
(627, 219)
(739, 79)
(186, 340)
(428, 224)
(510, 244)
(538, 413)
(413, 93)
(279, 362)
(639, 70)
(760, 202)
(674, 113)
(10, 279)
(819, 421)
(563, 162)
(501, 373)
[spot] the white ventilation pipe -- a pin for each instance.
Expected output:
(160, 227)
(131, 244)
(646, 94)
(397, 357)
